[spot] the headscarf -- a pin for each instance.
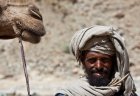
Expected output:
(87, 38)
(99, 44)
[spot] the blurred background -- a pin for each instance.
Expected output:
(50, 64)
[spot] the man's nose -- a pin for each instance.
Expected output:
(98, 64)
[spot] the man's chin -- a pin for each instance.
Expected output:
(98, 80)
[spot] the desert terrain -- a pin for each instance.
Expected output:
(50, 64)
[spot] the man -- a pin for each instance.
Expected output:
(102, 53)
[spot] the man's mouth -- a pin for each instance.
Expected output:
(97, 74)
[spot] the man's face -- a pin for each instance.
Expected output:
(98, 68)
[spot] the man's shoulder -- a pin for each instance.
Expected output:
(71, 85)
(75, 83)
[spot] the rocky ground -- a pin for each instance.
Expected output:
(50, 64)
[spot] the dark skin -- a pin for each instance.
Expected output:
(98, 68)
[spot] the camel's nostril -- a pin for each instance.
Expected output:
(34, 11)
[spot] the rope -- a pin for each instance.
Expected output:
(24, 66)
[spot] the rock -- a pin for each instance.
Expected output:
(119, 15)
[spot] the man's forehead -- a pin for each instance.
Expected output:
(92, 53)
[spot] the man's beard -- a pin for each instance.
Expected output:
(97, 80)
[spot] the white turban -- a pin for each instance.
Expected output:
(100, 44)
(95, 39)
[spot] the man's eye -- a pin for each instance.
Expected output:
(106, 60)
(91, 60)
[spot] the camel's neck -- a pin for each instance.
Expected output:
(19, 2)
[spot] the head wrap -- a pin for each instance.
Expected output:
(100, 44)
(105, 39)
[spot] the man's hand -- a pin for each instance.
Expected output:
(21, 20)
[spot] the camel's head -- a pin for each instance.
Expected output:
(20, 16)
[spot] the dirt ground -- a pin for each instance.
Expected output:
(50, 64)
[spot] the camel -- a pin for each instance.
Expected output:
(21, 18)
